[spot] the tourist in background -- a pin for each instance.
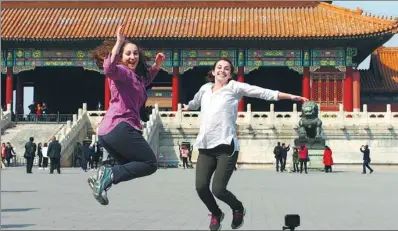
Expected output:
(10, 154)
(295, 160)
(278, 156)
(39, 154)
(44, 152)
(327, 159)
(217, 140)
(54, 153)
(30, 150)
(128, 75)
(366, 159)
(184, 152)
(3, 153)
(303, 155)
(284, 156)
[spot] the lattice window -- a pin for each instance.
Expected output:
(327, 89)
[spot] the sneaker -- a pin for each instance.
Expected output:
(102, 185)
(92, 180)
(237, 220)
(215, 222)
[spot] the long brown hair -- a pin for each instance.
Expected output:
(101, 52)
(210, 77)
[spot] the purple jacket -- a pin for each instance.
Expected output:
(128, 95)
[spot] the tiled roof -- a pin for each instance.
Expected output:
(382, 75)
(91, 20)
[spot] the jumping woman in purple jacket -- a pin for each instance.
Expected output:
(119, 132)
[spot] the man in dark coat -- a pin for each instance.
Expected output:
(366, 159)
(54, 153)
(284, 156)
(278, 156)
(30, 150)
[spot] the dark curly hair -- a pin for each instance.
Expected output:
(101, 52)
(210, 77)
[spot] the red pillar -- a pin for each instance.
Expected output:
(9, 86)
(241, 78)
(348, 94)
(306, 87)
(175, 89)
(107, 94)
(19, 94)
(356, 91)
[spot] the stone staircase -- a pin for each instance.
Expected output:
(19, 135)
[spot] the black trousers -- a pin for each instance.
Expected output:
(29, 164)
(185, 162)
(279, 160)
(295, 166)
(83, 163)
(55, 164)
(221, 161)
(45, 162)
(40, 160)
(303, 162)
(133, 153)
(365, 166)
(328, 168)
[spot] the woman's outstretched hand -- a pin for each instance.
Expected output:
(299, 98)
(160, 57)
(185, 107)
(120, 36)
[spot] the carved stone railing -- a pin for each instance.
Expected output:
(6, 118)
(271, 118)
(74, 131)
(151, 129)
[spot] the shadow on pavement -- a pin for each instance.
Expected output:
(13, 226)
(17, 210)
(18, 191)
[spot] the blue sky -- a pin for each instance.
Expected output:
(382, 8)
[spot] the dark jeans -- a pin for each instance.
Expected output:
(29, 164)
(220, 162)
(283, 164)
(303, 161)
(45, 162)
(295, 166)
(83, 164)
(185, 162)
(55, 164)
(279, 160)
(133, 153)
(328, 168)
(366, 165)
(40, 160)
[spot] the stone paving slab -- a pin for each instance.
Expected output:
(168, 201)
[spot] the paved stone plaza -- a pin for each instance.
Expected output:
(168, 200)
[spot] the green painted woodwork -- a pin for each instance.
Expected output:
(151, 56)
(158, 93)
(190, 58)
(328, 57)
(258, 58)
(27, 59)
(241, 58)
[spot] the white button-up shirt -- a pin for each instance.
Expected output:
(219, 111)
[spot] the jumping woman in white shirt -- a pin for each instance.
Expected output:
(217, 140)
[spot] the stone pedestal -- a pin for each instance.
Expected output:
(315, 151)
(310, 143)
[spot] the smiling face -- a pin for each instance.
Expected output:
(130, 56)
(222, 72)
